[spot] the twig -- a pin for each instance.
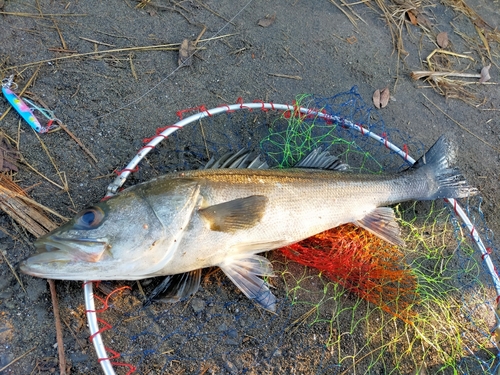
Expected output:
(214, 12)
(445, 52)
(344, 4)
(43, 16)
(298, 78)
(132, 68)
(351, 18)
(461, 126)
(60, 50)
(36, 204)
(62, 175)
(40, 174)
(429, 73)
(17, 359)
(204, 139)
(59, 334)
(96, 42)
(14, 273)
(160, 47)
(91, 155)
(200, 35)
(141, 290)
(287, 50)
(63, 42)
(78, 341)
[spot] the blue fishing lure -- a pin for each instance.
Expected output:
(21, 107)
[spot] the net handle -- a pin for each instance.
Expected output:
(121, 178)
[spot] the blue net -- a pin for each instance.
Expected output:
(319, 327)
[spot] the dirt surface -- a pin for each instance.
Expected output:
(112, 101)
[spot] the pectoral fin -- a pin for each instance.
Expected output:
(244, 272)
(176, 287)
(241, 213)
(382, 223)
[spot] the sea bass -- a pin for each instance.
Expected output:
(182, 222)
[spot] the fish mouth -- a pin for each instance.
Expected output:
(55, 253)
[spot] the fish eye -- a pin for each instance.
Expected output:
(89, 218)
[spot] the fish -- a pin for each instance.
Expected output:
(227, 214)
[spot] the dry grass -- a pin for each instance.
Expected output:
(28, 213)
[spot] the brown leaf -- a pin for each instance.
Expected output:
(186, 52)
(8, 156)
(267, 21)
(376, 98)
(385, 95)
(424, 21)
(485, 74)
(442, 39)
(412, 15)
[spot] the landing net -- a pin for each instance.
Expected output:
(347, 302)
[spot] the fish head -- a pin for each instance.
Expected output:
(102, 242)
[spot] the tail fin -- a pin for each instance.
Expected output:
(446, 182)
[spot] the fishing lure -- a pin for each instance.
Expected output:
(23, 109)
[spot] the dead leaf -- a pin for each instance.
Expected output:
(412, 15)
(442, 39)
(424, 21)
(485, 74)
(8, 156)
(352, 39)
(186, 52)
(267, 21)
(376, 98)
(385, 95)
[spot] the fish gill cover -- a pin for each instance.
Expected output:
(347, 302)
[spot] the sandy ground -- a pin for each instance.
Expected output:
(111, 108)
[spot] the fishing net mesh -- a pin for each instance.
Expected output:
(348, 302)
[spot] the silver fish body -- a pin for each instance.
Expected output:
(180, 223)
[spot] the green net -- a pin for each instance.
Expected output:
(375, 309)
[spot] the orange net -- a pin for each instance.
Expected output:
(363, 264)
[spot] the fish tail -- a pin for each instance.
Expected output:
(445, 181)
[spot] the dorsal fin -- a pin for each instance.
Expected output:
(241, 159)
(319, 159)
(316, 159)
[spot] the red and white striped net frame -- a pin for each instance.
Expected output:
(107, 362)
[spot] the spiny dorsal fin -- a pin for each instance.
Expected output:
(176, 287)
(319, 159)
(241, 159)
(241, 213)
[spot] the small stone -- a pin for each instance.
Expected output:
(6, 332)
(36, 288)
(232, 342)
(230, 367)
(198, 305)
(6, 358)
(232, 333)
(5, 294)
(78, 357)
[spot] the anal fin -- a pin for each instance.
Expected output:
(176, 287)
(382, 223)
(244, 271)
